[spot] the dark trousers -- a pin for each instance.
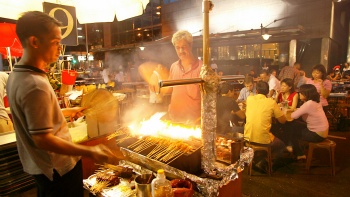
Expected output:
(297, 130)
(68, 185)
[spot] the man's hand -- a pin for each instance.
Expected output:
(74, 112)
(102, 154)
(99, 153)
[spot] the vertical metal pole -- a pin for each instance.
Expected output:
(209, 92)
(206, 4)
(87, 46)
(261, 33)
(152, 12)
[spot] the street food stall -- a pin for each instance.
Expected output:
(184, 153)
(178, 149)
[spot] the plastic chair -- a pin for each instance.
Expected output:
(326, 144)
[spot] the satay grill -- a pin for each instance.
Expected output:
(183, 154)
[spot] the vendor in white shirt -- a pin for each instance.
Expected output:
(106, 74)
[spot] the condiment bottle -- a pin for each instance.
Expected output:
(161, 187)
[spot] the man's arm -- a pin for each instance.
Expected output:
(282, 119)
(240, 114)
(72, 112)
(49, 142)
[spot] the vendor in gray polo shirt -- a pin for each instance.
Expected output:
(43, 140)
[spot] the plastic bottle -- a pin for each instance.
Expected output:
(161, 187)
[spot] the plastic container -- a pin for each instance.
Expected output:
(161, 187)
(69, 77)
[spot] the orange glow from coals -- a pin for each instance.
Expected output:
(156, 127)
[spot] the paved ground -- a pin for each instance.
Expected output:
(293, 180)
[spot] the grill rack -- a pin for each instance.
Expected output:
(159, 148)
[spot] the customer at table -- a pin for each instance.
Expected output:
(334, 74)
(288, 94)
(322, 84)
(265, 67)
(227, 109)
(252, 73)
(315, 128)
(260, 113)
(5, 121)
(346, 71)
(291, 72)
(274, 83)
(43, 140)
(131, 72)
(185, 104)
(273, 72)
(248, 90)
(303, 79)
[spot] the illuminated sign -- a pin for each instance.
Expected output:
(66, 15)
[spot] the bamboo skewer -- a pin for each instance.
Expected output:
(165, 149)
(174, 158)
(160, 154)
(131, 146)
(170, 155)
(143, 146)
(158, 148)
(123, 139)
(119, 132)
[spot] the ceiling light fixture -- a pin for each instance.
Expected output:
(266, 36)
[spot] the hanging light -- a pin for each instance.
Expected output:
(266, 36)
(142, 47)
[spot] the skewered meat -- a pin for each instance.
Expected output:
(110, 179)
(120, 171)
